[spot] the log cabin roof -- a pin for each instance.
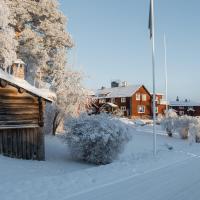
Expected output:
(20, 83)
(122, 91)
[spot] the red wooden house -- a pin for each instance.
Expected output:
(133, 100)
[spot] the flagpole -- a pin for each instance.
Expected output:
(153, 73)
(166, 74)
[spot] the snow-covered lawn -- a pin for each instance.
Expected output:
(59, 177)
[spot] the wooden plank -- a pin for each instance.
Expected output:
(9, 117)
(18, 105)
(3, 127)
(16, 101)
(18, 97)
(18, 112)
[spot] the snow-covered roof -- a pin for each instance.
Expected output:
(111, 104)
(14, 81)
(19, 61)
(158, 93)
(115, 92)
(184, 103)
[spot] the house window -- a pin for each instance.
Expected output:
(181, 107)
(123, 108)
(112, 100)
(141, 109)
(102, 100)
(181, 113)
(144, 97)
(138, 96)
(123, 100)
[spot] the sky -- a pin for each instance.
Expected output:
(112, 43)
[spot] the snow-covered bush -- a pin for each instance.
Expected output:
(182, 125)
(194, 130)
(168, 122)
(96, 139)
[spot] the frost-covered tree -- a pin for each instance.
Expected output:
(97, 139)
(72, 97)
(7, 38)
(42, 36)
(42, 43)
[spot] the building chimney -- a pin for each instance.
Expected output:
(124, 84)
(115, 84)
(18, 69)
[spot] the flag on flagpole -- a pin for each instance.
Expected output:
(150, 19)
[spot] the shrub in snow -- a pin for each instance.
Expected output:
(97, 139)
(182, 125)
(194, 130)
(168, 122)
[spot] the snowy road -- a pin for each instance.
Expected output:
(180, 181)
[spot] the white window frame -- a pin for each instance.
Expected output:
(144, 97)
(138, 96)
(123, 108)
(141, 106)
(123, 100)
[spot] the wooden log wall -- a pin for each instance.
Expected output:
(24, 143)
(21, 121)
(18, 108)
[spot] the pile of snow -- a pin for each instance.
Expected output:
(97, 139)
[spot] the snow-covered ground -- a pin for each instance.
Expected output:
(135, 175)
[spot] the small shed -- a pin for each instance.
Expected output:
(22, 116)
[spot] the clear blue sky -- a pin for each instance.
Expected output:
(112, 42)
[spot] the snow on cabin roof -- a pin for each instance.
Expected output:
(184, 103)
(14, 81)
(115, 92)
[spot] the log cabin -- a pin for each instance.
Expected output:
(21, 115)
